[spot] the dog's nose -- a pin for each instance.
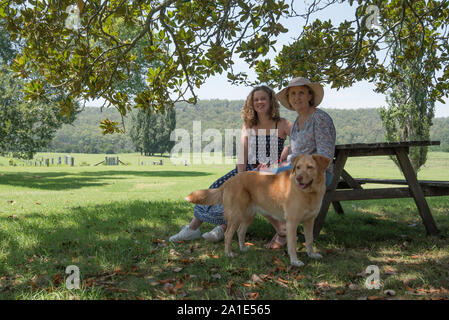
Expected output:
(299, 179)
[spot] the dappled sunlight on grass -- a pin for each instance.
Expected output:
(114, 224)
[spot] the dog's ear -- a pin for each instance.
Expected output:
(321, 161)
(295, 159)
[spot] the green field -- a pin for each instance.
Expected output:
(113, 222)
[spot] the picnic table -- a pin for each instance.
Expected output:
(344, 187)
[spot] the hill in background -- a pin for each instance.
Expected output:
(352, 125)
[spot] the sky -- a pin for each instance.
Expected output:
(360, 95)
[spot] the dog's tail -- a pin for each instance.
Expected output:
(207, 196)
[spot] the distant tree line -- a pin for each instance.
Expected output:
(150, 134)
(85, 135)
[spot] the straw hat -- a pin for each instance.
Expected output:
(300, 81)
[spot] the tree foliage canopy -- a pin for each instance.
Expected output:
(25, 127)
(191, 40)
(405, 32)
(194, 39)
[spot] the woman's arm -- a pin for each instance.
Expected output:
(325, 136)
(285, 152)
(285, 128)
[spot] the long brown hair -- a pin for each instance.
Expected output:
(249, 115)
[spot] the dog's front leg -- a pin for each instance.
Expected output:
(292, 226)
(308, 234)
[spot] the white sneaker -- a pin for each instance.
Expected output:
(215, 235)
(186, 234)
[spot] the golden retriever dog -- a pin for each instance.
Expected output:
(293, 196)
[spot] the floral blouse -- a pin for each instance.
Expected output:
(317, 135)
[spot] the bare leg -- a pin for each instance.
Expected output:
(195, 223)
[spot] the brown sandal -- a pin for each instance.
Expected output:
(277, 242)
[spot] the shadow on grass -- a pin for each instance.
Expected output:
(122, 250)
(69, 180)
(396, 220)
(98, 239)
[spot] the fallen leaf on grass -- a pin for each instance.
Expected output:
(390, 271)
(210, 255)
(168, 287)
(56, 280)
(391, 260)
(340, 292)
(253, 295)
(282, 282)
(178, 269)
(249, 244)
(280, 265)
(324, 286)
(414, 257)
(375, 298)
(187, 261)
(300, 277)
(256, 279)
(179, 284)
(165, 281)
(354, 287)
(193, 247)
(444, 291)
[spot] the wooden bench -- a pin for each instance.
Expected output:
(344, 187)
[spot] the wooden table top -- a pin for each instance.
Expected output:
(388, 145)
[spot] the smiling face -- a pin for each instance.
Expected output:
(299, 97)
(308, 171)
(261, 102)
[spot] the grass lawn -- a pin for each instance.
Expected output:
(113, 222)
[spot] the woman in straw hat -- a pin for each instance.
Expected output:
(260, 116)
(312, 132)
